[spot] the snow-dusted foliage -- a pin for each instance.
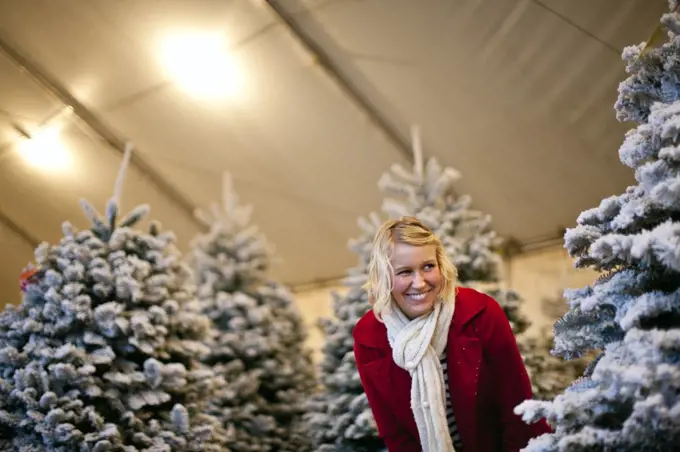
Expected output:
(550, 375)
(102, 352)
(258, 344)
(630, 396)
(428, 192)
(339, 418)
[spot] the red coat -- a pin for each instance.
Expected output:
(487, 379)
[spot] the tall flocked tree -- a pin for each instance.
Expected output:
(258, 344)
(100, 355)
(629, 398)
(339, 418)
(428, 192)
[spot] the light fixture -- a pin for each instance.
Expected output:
(200, 63)
(45, 150)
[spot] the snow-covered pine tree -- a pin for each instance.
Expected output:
(550, 374)
(100, 355)
(629, 398)
(258, 344)
(339, 418)
(553, 374)
(428, 192)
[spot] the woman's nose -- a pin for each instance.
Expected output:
(418, 280)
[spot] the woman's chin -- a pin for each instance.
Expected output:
(420, 308)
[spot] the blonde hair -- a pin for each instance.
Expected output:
(409, 231)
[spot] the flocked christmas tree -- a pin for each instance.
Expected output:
(340, 419)
(100, 355)
(629, 399)
(258, 345)
(550, 374)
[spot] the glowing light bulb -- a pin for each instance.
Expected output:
(45, 150)
(200, 64)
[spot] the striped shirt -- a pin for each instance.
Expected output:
(450, 418)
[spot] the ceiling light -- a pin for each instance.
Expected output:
(200, 63)
(45, 150)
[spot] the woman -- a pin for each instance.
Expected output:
(439, 364)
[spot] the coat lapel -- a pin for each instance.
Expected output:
(392, 382)
(464, 357)
(394, 388)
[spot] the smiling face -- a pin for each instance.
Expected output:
(417, 279)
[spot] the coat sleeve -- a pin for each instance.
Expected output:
(396, 438)
(512, 382)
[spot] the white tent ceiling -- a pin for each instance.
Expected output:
(516, 94)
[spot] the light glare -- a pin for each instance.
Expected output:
(45, 150)
(200, 63)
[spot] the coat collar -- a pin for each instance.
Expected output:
(372, 333)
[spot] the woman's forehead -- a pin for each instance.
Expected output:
(404, 254)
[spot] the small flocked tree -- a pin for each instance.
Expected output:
(258, 344)
(553, 374)
(629, 399)
(339, 417)
(100, 355)
(550, 374)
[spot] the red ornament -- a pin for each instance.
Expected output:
(28, 276)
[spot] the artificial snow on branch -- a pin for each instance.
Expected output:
(102, 353)
(629, 397)
(258, 340)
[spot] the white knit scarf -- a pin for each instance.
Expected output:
(416, 346)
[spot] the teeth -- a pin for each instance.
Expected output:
(418, 297)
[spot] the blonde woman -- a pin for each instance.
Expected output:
(439, 364)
